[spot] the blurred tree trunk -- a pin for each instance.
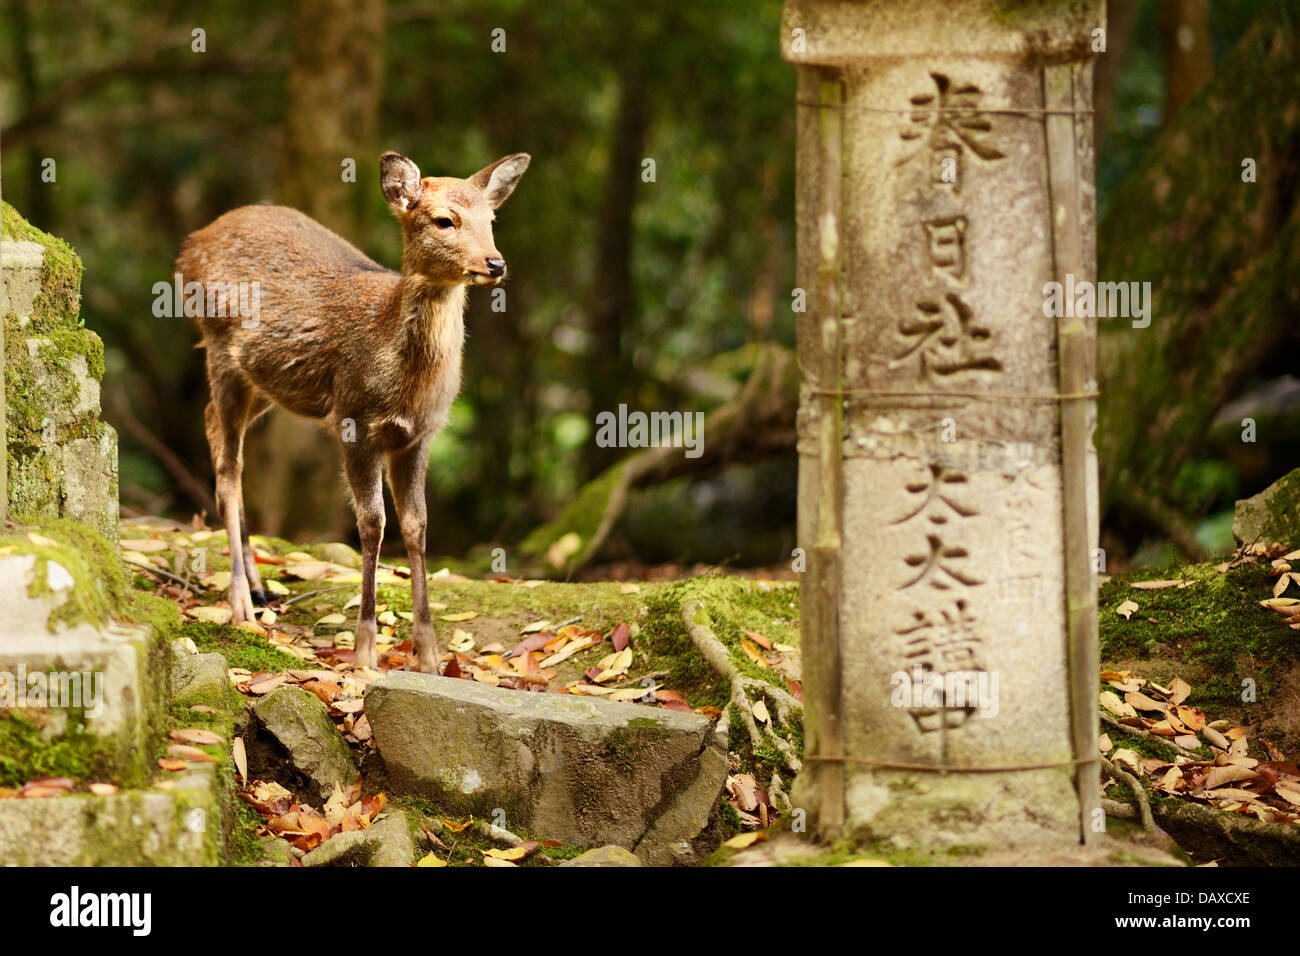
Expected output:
(1189, 60)
(293, 486)
(613, 299)
(36, 204)
(1121, 17)
(1211, 220)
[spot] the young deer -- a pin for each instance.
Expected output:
(373, 355)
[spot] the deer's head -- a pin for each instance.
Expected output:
(447, 222)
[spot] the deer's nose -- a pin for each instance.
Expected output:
(496, 268)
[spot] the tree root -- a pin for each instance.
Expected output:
(781, 706)
(1139, 795)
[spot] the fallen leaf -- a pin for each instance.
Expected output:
(210, 615)
(620, 635)
(1126, 610)
(196, 735)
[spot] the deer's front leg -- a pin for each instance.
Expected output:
(406, 471)
(364, 470)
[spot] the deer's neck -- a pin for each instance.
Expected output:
(431, 327)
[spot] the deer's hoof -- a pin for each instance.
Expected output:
(259, 598)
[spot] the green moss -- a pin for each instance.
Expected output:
(101, 589)
(26, 753)
(60, 298)
(582, 516)
(29, 405)
(240, 648)
(1213, 633)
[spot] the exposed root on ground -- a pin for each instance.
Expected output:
(1139, 795)
(745, 691)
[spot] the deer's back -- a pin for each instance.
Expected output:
(315, 292)
(303, 271)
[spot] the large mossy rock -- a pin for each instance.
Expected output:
(1272, 515)
(304, 731)
(586, 771)
(62, 460)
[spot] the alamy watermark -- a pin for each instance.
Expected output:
(626, 429)
(219, 300)
(953, 690)
(53, 689)
(1106, 300)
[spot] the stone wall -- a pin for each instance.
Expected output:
(62, 459)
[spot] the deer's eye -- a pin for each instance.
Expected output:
(442, 222)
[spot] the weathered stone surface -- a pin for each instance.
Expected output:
(578, 769)
(930, 219)
(301, 725)
(180, 827)
(386, 843)
(200, 679)
(61, 459)
(103, 668)
(604, 856)
(1272, 515)
(20, 280)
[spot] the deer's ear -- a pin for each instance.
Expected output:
(498, 181)
(400, 180)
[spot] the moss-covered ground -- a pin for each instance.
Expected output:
(1241, 659)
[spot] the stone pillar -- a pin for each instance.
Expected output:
(947, 484)
(61, 458)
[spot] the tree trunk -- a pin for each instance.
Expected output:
(1189, 62)
(292, 483)
(613, 298)
(1121, 16)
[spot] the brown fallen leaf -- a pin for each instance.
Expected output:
(193, 754)
(196, 735)
(1220, 776)
(172, 763)
(620, 635)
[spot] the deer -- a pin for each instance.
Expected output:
(372, 355)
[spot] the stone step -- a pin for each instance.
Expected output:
(66, 677)
(586, 771)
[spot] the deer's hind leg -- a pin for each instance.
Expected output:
(225, 419)
(260, 404)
